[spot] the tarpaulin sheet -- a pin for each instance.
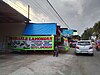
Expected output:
(40, 29)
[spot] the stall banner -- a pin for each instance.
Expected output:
(66, 43)
(32, 42)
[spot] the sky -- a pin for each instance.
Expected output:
(78, 14)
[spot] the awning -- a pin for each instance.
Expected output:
(40, 29)
(10, 15)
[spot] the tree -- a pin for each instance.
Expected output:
(87, 34)
(92, 31)
(96, 29)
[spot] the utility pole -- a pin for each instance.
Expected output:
(28, 13)
(57, 14)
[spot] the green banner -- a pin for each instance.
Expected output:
(31, 42)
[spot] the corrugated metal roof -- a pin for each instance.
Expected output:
(40, 29)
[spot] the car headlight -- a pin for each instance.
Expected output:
(91, 50)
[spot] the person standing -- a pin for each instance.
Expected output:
(55, 49)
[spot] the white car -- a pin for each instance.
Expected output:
(84, 46)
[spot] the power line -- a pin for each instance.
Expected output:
(58, 14)
(42, 8)
(44, 11)
(37, 6)
(49, 12)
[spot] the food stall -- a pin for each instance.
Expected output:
(36, 36)
(65, 35)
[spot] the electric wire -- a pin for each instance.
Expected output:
(36, 4)
(52, 14)
(58, 14)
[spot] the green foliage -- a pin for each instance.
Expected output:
(92, 31)
(87, 33)
(96, 27)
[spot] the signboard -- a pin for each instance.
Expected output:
(75, 33)
(32, 42)
(66, 43)
(67, 32)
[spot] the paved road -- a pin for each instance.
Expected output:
(66, 64)
(86, 65)
(11, 62)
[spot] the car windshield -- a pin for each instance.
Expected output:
(84, 43)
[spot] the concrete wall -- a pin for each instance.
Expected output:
(9, 29)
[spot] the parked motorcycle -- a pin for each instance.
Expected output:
(98, 46)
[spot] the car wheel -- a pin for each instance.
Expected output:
(92, 54)
(98, 49)
(76, 53)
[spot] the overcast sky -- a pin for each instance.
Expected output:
(78, 14)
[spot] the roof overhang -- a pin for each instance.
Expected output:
(10, 15)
